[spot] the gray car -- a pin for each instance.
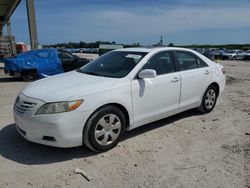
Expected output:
(233, 54)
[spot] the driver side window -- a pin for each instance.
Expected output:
(162, 63)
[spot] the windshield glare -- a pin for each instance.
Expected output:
(115, 64)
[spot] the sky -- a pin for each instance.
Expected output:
(130, 21)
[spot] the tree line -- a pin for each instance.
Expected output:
(82, 44)
(96, 44)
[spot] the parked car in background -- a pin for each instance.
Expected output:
(240, 55)
(121, 90)
(200, 50)
(42, 63)
(209, 54)
(233, 54)
(217, 53)
(247, 55)
(70, 61)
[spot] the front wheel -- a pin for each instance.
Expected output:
(209, 99)
(104, 129)
(29, 75)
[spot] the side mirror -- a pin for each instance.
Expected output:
(147, 73)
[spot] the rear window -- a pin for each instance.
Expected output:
(188, 61)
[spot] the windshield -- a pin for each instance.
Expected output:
(115, 64)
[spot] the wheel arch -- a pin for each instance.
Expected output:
(23, 71)
(30, 70)
(125, 112)
(217, 87)
(85, 141)
(118, 105)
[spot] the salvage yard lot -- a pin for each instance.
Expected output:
(186, 150)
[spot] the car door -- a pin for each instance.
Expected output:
(156, 96)
(195, 76)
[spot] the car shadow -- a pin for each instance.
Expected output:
(11, 79)
(7, 78)
(16, 148)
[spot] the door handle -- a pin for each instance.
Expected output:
(175, 79)
(206, 72)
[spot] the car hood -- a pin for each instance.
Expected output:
(67, 86)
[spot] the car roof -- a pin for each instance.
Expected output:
(159, 49)
(134, 49)
(152, 49)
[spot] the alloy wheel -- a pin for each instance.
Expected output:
(210, 99)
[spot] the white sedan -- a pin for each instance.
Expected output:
(117, 92)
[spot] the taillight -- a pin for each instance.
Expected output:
(223, 71)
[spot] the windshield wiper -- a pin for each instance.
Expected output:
(91, 73)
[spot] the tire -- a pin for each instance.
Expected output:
(30, 75)
(104, 129)
(209, 99)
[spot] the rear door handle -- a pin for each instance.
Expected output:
(175, 79)
(206, 72)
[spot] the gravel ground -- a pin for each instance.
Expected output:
(186, 150)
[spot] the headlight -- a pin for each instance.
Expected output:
(58, 107)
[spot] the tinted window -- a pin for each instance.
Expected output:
(116, 64)
(162, 63)
(201, 63)
(186, 60)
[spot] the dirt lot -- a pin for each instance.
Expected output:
(187, 150)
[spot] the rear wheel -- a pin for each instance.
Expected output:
(104, 129)
(209, 99)
(30, 75)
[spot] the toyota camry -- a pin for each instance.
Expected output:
(121, 90)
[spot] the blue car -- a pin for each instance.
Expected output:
(42, 63)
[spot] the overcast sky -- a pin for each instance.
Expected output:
(143, 21)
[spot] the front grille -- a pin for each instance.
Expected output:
(24, 107)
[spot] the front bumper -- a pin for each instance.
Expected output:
(59, 130)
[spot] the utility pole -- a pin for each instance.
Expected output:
(11, 39)
(161, 41)
(32, 24)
